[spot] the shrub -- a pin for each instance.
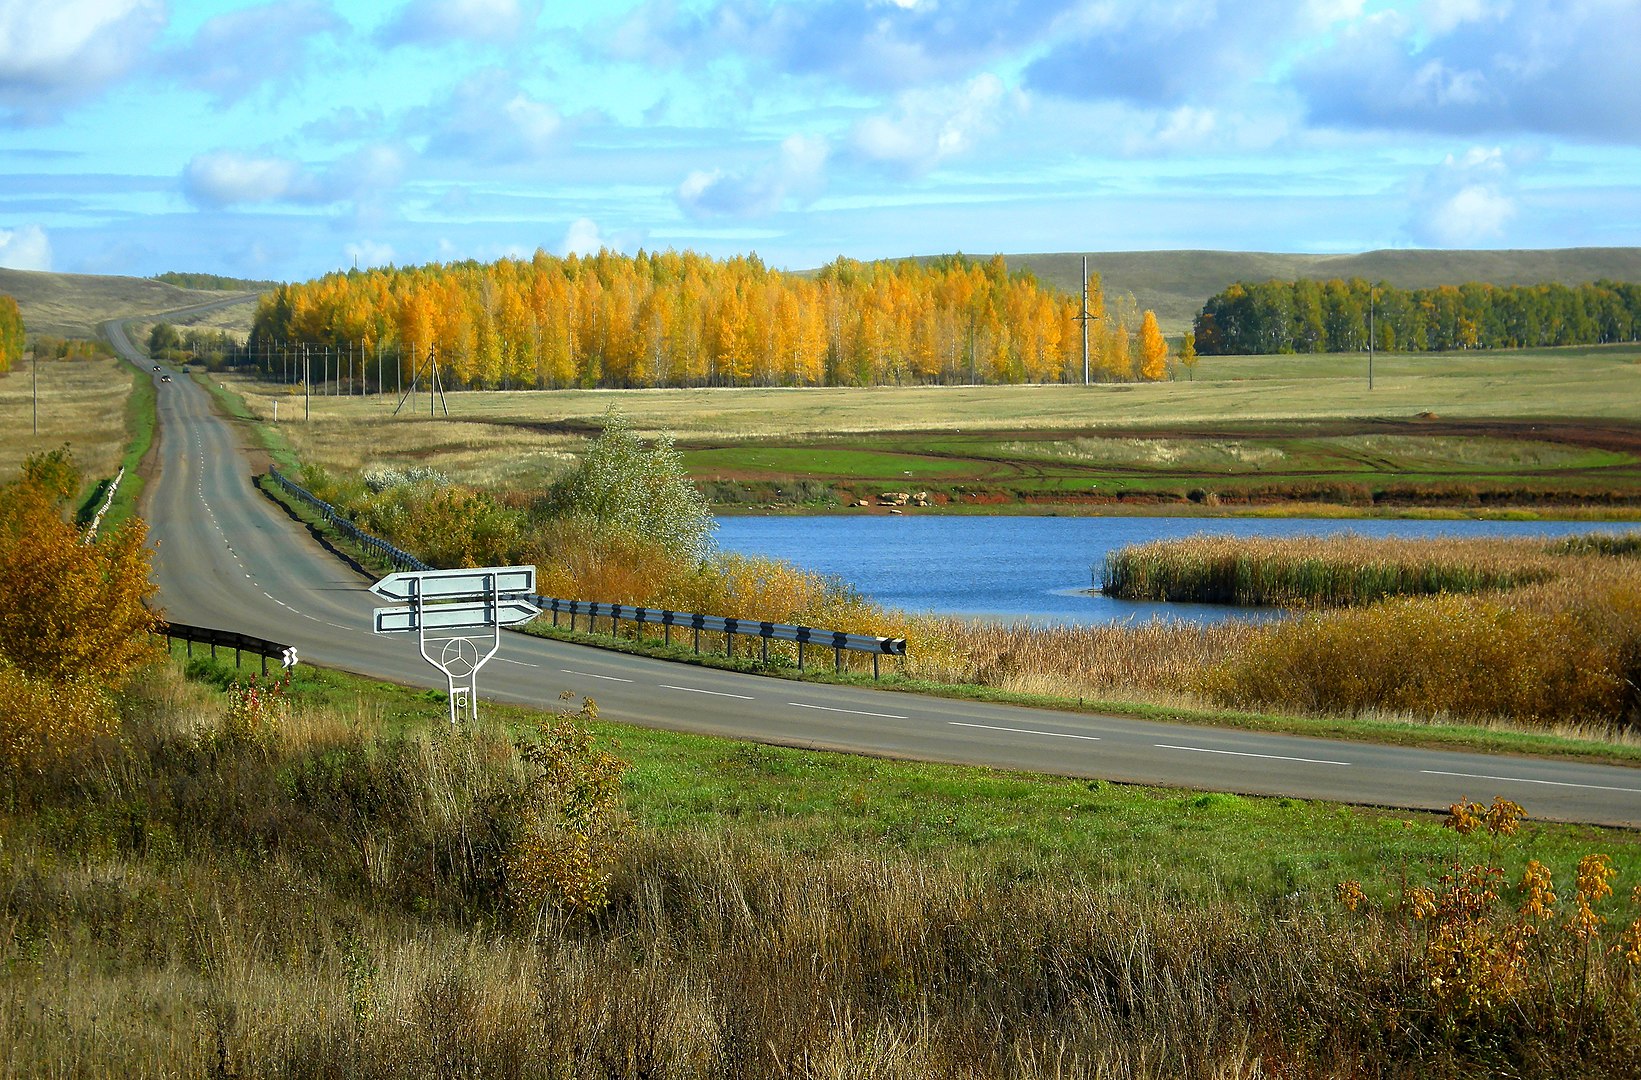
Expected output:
(1431, 656)
(69, 610)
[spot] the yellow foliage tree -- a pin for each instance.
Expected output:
(72, 620)
(1153, 349)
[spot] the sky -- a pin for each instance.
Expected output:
(288, 139)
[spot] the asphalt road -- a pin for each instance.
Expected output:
(226, 557)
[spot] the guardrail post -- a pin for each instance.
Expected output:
(800, 656)
(837, 660)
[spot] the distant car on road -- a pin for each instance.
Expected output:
(165, 378)
(156, 367)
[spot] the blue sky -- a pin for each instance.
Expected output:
(286, 139)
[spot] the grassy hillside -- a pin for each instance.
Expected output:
(1174, 284)
(71, 305)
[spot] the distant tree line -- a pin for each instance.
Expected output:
(1334, 316)
(11, 332)
(214, 282)
(215, 349)
(682, 319)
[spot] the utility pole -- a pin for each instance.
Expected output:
(1084, 317)
(34, 370)
(1370, 337)
(307, 384)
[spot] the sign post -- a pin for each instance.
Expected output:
(489, 597)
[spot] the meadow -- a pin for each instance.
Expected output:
(323, 886)
(1544, 427)
(84, 403)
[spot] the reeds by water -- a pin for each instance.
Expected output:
(1333, 571)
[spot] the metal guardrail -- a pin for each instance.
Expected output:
(401, 559)
(835, 640)
(803, 636)
(97, 519)
(228, 639)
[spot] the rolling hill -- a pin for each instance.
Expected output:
(71, 305)
(1174, 284)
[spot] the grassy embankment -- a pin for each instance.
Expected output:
(327, 894)
(101, 408)
(1547, 431)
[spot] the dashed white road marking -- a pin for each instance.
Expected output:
(1025, 731)
(590, 675)
(1243, 753)
(698, 690)
(1525, 780)
(851, 712)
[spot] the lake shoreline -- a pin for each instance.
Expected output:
(1269, 511)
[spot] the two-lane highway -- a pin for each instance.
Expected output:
(226, 557)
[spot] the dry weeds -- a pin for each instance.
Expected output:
(82, 403)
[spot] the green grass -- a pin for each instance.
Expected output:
(1018, 825)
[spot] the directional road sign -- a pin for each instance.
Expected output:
(456, 584)
(400, 620)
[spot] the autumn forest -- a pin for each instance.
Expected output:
(681, 319)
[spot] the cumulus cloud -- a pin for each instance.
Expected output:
(797, 171)
(223, 178)
(1466, 201)
(1562, 67)
(369, 253)
(438, 22)
(56, 54)
(582, 238)
(884, 44)
(233, 54)
(27, 248)
(489, 118)
(928, 126)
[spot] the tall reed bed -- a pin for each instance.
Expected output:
(1515, 630)
(313, 903)
(1333, 571)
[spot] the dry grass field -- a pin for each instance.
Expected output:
(82, 403)
(522, 437)
(72, 305)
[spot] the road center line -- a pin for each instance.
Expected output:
(590, 675)
(1524, 780)
(851, 712)
(1240, 753)
(697, 690)
(1025, 731)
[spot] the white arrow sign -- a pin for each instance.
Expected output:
(456, 584)
(403, 620)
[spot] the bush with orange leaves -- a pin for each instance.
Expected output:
(570, 823)
(72, 620)
(1476, 953)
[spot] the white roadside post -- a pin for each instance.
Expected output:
(488, 597)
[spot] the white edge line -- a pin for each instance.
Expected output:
(851, 712)
(1524, 780)
(698, 690)
(1025, 731)
(1242, 753)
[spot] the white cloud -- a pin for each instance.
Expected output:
(222, 178)
(438, 22)
(236, 52)
(796, 172)
(27, 248)
(490, 118)
(57, 52)
(1559, 67)
(367, 253)
(582, 238)
(225, 177)
(1466, 201)
(928, 126)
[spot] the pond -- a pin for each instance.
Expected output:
(1040, 568)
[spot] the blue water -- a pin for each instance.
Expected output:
(1038, 568)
